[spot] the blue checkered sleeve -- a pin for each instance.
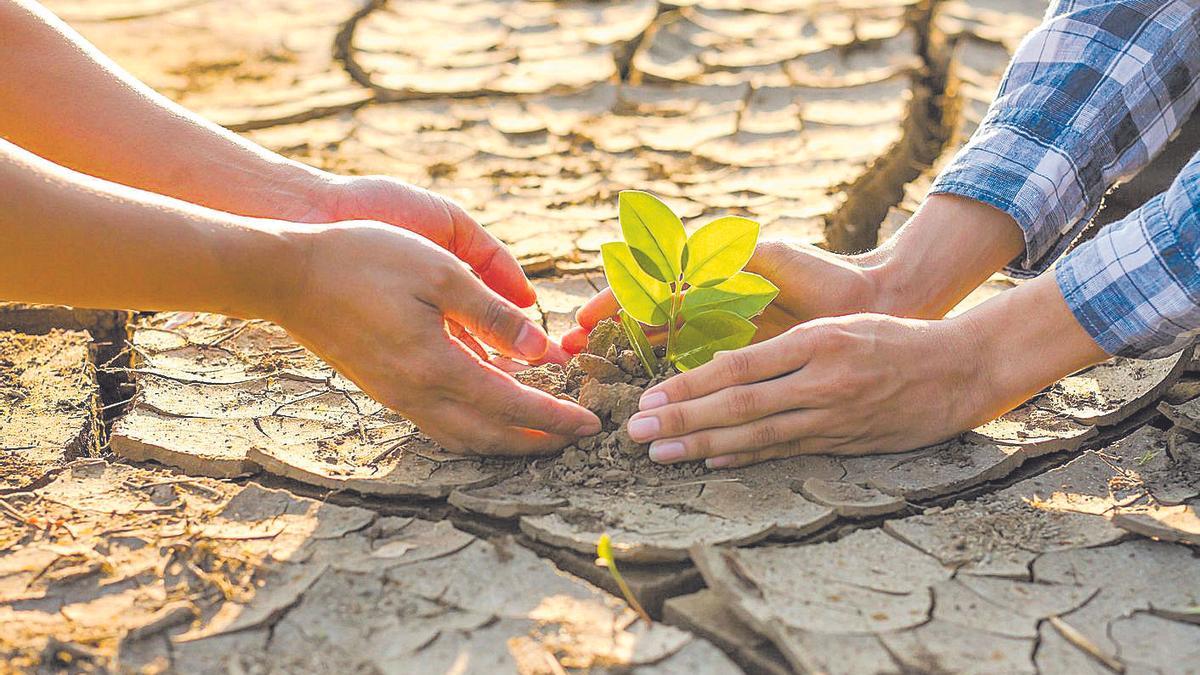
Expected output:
(1135, 287)
(1088, 99)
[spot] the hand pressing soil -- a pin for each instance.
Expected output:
(608, 379)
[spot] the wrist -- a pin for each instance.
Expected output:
(1026, 339)
(945, 250)
(268, 262)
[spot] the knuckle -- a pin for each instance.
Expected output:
(741, 402)
(737, 365)
(675, 419)
(443, 276)
(496, 318)
(764, 435)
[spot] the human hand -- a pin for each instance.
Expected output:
(866, 383)
(379, 304)
(844, 385)
(812, 283)
(438, 219)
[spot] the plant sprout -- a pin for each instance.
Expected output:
(604, 558)
(693, 285)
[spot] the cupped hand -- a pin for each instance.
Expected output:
(846, 385)
(399, 316)
(812, 283)
(433, 216)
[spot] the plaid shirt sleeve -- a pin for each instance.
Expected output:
(1089, 98)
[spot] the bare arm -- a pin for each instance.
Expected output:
(65, 101)
(371, 299)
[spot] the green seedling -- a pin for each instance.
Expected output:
(693, 285)
(604, 558)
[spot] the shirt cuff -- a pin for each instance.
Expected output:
(1009, 165)
(1133, 286)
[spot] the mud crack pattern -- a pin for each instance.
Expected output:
(1060, 538)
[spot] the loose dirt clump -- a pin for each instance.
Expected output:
(607, 379)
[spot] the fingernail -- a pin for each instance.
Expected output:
(719, 462)
(643, 428)
(531, 344)
(589, 429)
(652, 399)
(666, 451)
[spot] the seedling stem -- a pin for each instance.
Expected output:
(604, 557)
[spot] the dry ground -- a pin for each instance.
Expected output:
(246, 509)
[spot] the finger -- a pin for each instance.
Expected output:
(801, 430)
(472, 244)
(493, 319)
(574, 341)
(508, 365)
(724, 408)
(460, 429)
(601, 306)
(750, 364)
(555, 354)
(747, 458)
(505, 400)
(466, 338)
(830, 447)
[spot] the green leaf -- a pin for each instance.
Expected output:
(643, 296)
(720, 250)
(641, 343)
(654, 233)
(744, 294)
(708, 333)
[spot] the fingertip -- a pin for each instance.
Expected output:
(528, 296)
(653, 399)
(601, 306)
(575, 340)
(556, 354)
(722, 462)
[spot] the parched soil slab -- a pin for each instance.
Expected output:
(49, 404)
(507, 47)
(1034, 577)
(1179, 524)
(144, 569)
(221, 397)
(849, 499)
(822, 604)
(1110, 392)
(1145, 587)
(658, 522)
(242, 65)
(705, 614)
(823, 120)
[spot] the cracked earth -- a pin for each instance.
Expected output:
(192, 493)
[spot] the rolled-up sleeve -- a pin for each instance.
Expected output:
(1089, 98)
(1135, 287)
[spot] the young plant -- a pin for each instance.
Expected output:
(693, 285)
(604, 558)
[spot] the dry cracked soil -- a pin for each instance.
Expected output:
(192, 493)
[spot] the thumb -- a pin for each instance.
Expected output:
(493, 319)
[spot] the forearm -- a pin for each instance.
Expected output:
(76, 240)
(70, 104)
(950, 246)
(1026, 339)
(1089, 98)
